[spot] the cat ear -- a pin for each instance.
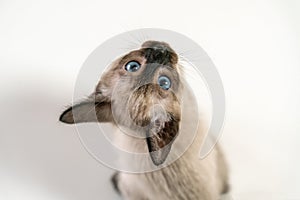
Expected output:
(89, 110)
(160, 137)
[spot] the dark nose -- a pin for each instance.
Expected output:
(157, 45)
(155, 55)
(159, 52)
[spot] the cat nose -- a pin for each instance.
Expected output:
(159, 47)
(156, 45)
(159, 52)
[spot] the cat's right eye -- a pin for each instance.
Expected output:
(132, 66)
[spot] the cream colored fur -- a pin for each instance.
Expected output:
(187, 178)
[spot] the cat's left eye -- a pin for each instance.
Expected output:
(164, 82)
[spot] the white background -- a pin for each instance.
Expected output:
(254, 44)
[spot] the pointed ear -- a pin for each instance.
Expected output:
(160, 137)
(88, 111)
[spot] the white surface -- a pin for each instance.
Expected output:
(254, 44)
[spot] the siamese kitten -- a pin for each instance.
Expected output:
(142, 92)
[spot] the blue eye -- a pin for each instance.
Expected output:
(132, 66)
(164, 82)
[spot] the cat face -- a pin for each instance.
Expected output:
(140, 91)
